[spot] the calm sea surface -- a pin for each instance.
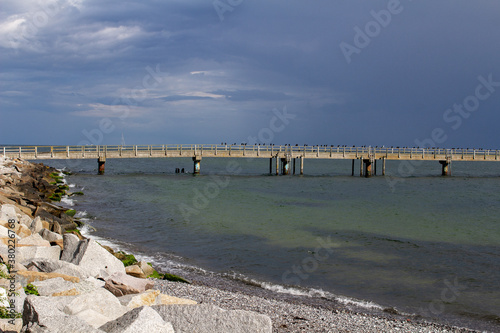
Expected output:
(412, 240)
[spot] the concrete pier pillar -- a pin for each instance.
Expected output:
(301, 165)
(285, 167)
(361, 168)
(271, 166)
(101, 162)
(352, 168)
(368, 168)
(383, 167)
(446, 168)
(294, 166)
(277, 165)
(197, 164)
(375, 168)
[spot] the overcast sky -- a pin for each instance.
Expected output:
(393, 73)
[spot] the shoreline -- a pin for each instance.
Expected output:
(291, 313)
(204, 280)
(296, 313)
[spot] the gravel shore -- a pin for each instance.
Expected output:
(290, 316)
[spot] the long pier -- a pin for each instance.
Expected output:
(280, 157)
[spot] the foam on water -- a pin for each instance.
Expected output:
(67, 201)
(81, 214)
(358, 303)
(318, 293)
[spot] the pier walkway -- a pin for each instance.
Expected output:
(280, 156)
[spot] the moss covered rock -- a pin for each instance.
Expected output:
(70, 212)
(127, 259)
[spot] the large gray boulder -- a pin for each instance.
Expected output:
(146, 268)
(7, 326)
(92, 317)
(36, 225)
(39, 252)
(8, 212)
(5, 233)
(71, 244)
(44, 315)
(53, 286)
(91, 257)
(100, 301)
(139, 320)
(88, 285)
(26, 254)
(212, 319)
(49, 235)
(34, 240)
(121, 284)
(17, 294)
(57, 266)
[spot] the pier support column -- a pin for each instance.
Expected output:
(294, 166)
(271, 166)
(446, 168)
(285, 167)
(197, 164)
(302, 165)
(361, 168)
(368, 168)
(352, 168)
(277, 165)
(383, 167)
(101, 162)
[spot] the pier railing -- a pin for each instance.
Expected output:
(254, 151)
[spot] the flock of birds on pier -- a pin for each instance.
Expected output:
(344, 146)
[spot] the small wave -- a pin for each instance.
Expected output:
(307, 292)
(81, 214)
(312, 292)
(358, 303)
(288, 290)
(67, 201)
(86, 229)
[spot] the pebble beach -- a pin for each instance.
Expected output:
(289, 316)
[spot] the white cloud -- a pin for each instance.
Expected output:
(98, 110)
(28, 20)
(106, 36)
(202, 94)
(209, 73)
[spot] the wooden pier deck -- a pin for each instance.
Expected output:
(282, 154)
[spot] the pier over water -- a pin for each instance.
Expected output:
(282, 159)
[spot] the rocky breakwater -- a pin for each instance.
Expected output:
(54, 280)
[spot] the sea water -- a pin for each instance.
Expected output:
(411, 240)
